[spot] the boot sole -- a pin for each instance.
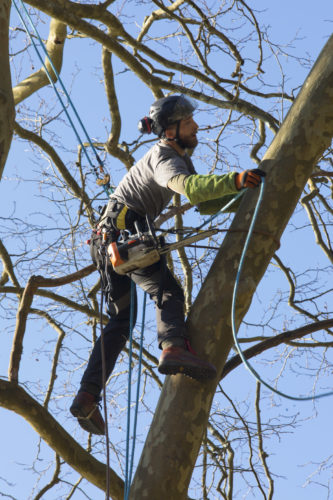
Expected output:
(194, 372)
(86, 423)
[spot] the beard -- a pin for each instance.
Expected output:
(189, 142)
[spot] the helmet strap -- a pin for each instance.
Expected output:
(177, 139)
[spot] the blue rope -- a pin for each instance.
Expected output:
(106, 189)
(233, 307)
(138, 385)
(223, 209)
(127, 484)
(130, 460)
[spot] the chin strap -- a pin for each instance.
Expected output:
(176, 139)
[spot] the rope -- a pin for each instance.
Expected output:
(233, 307)
(127, 485)
(107, 441)
(106, 187)
(223, 209)
(130, 460)
(138, 385)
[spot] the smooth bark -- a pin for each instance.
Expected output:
(180, 419)
(7, 111)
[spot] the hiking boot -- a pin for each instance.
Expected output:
(85, 409)
(179, 360)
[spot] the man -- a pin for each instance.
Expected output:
(146, 190)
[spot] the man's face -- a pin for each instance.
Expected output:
(188, 132)
(188, 129)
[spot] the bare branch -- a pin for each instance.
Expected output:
(263, 455)
(112, 144)
(55, 48)
(8, 265)
(7, 109)
(55, 479)
(306, 202)
(282, 338)
(15, 398)
(59, 164)
(21, 321)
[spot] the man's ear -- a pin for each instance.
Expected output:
(170, 132)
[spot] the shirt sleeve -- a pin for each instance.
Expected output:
(169, 168)
(210, 207)
(177, 184)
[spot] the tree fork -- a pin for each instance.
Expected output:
(181, 416)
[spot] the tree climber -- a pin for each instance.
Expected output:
(146, 190)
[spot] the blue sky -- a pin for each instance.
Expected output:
(311, 441)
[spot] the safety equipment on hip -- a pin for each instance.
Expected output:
(117, 216)
(199, 188)
(165, 112)
(249, 178)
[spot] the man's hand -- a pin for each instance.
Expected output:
(249, 178)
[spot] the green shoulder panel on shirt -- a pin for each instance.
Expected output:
(201, 188)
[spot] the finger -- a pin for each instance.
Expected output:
(260, 172)
(253, 180)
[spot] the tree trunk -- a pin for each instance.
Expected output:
(174, 439)
(7, 111)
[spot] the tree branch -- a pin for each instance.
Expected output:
(55, 48)
(69, 12)
(21, 321)
(282, 338)
(8, 265)
(15, 398)
(112, 144)
(59, 164)
(24, 309)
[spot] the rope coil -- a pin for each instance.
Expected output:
(233, 308)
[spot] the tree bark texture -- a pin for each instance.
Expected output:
(7, 110)
(180, 419)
